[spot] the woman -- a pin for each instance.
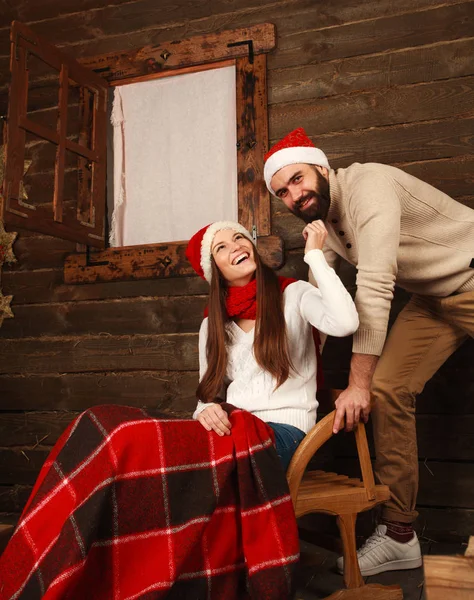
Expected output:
(132, 506)
(257, 340)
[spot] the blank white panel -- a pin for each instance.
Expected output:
(175, 157)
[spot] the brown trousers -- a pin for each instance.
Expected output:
(425, 334)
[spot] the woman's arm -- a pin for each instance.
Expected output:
(329, 307)
(202, 364)
(210, 414)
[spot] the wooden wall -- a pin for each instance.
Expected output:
(378, 80)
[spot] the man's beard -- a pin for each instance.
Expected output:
(320, 207)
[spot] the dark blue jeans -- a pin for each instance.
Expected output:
(287, 439)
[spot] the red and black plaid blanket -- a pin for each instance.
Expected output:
(129, 506)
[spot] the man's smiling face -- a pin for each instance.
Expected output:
(305, 191)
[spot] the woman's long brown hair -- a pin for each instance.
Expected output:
(270, 341)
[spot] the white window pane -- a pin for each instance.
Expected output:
(175, 156)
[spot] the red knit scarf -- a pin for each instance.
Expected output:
(241, 303)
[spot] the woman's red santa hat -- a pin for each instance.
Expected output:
(199, 247)
(294, 148)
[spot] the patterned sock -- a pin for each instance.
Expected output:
(400, 532)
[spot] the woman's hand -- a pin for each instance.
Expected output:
(315, 234)
(215, 418)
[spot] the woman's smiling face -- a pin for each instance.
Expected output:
(234, 256)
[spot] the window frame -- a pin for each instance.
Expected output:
(14, 210)
(247, 47)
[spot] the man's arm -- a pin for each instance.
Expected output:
(376, 214)
(354, 401)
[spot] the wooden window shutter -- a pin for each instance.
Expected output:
(82, 219)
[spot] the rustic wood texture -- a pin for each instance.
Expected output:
(175, 352)
(371, 591)
(174, 57)
(449, 577)
(79, 391)
(369, 81)
(14, 210)
(182, 53)
(116, 317)
(329, 493)
(252, 143)
(150, 261)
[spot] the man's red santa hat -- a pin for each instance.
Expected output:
(294, 148)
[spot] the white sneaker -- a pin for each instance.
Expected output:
(382, 553)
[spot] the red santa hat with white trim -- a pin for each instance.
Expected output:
(294, 148)
(198, 251)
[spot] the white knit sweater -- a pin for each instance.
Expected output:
(329, 308)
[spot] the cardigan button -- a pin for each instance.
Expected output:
(333, 220)
(348, 245)
(341, 233)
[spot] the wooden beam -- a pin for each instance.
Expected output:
(176, 352)
(75, 392)
(252, 143)
(182, 53)
(150, 261)
(449, 577)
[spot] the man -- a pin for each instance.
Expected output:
(399, 230)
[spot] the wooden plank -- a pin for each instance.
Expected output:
(373, 71)
(48, 9)
(454, 177)
(449, 576)
(445, 524)
(410, 581)
(402, 143)
(286, 225)
(439, 439)
(40, 252)
(46, 285)
(294, 266)
(40, 190)
(28, 38)
(16, 211)
(442, 484)
(404, 104)
(175, 393)
(100, 353)
(14, 138)
(61, 151)
(131, 17)
(446, 484)
(21, 466)
(14, 497)
(42, 155)
(173, 390)
(408, 30)
(399, 144)
(172, 72)
(113, 21)
(438, 525)
(292, 16)
(33, 429)
(150, 261)
(174, 54)
(182, 314)
(252, 143)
